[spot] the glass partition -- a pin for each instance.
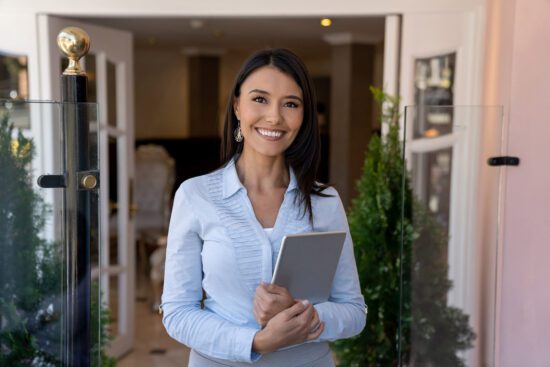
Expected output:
(45, 275)
(450, 245)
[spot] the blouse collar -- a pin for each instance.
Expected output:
(232, 183)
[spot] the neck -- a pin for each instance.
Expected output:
(262, 173)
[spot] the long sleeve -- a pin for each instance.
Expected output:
(183, 317)
(344, 314)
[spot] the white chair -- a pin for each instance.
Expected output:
(154, 180)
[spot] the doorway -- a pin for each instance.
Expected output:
(173, 57)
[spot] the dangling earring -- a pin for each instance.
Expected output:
(238, 134)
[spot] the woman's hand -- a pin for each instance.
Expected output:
(295, 325)
(270, 299)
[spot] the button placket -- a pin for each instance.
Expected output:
(265, 242)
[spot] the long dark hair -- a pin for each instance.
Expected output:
(304, 154)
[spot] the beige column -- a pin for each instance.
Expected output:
(351, 111)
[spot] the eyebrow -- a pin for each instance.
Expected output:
(266, 92)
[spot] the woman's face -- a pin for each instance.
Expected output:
(270, 109)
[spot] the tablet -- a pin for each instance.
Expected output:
(307, 262)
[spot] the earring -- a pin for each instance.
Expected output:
(238, 134)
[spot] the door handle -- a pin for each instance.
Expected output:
(133, 210)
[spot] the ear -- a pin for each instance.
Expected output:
(236, 107)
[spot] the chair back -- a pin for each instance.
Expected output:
(154, 180)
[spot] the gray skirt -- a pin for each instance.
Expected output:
(305, 355)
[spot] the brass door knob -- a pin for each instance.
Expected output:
(89, 182)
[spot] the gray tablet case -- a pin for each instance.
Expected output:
(307, 263)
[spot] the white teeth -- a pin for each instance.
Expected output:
(273, 134)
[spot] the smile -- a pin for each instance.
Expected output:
(271, 134)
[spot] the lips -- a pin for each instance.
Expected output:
(270, 134)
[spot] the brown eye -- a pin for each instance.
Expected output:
(291, 105)
(259, 99)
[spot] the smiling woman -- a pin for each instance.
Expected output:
(269, 114)
(226, 230)
(279, 80)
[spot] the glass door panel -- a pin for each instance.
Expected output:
(49, 296)
(450, 247)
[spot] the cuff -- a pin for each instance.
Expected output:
(320, 311)
(243, 345)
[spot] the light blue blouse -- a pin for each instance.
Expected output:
(216, 243)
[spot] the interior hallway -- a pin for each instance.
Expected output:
(152, 345)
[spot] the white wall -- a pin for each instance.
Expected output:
(149, 8)
(517, 76)
(525, 318)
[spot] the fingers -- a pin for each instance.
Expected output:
(297, 309)
(259, 313)
(304, 319)
(263, 293)
(272, 303)
(265, 307)
(256, 316)
(267, 289)
(259, 304)
(315, 321)
(315, 334)
(276, 289)
(273, 293)
(256, 312)
(263, 301)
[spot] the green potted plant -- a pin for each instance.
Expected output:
(391, 231)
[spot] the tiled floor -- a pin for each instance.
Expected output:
(152, 345)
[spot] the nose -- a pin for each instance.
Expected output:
(273, 115)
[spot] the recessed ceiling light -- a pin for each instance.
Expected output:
(326, 22)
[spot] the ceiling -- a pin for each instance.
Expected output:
(301, 33)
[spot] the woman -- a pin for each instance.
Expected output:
(226, 229)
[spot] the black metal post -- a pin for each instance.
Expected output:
(77, 209)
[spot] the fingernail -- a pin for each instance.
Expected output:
(305, 302)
